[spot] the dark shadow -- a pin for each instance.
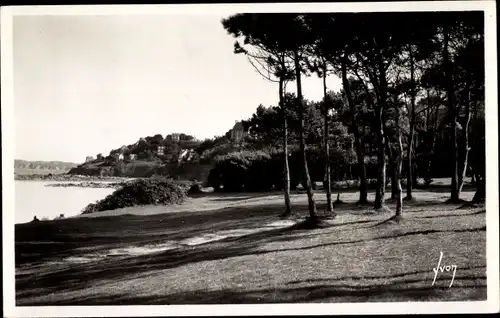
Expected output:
(54, 239)
(318, 293)
(78, 276)
(449, 215)
(368, 277)
(392, 219)
(427, 203)
(384, 237)
(442, 188)
(233, 199)
(471, 205)
(228, 196)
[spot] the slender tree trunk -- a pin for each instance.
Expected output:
(466, 147)
(415, 170)
(329, 204)
(399, 163)
(393, 171)
(455, 195)
(432, 146)
(379, 120)
(363, 184)
(409, 173)
(480, 195)
(286, 170)
(478, 155)
(381, 178)
(302, 142)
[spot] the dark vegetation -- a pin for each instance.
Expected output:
(176, 155)
(411, 103)
(141, 192)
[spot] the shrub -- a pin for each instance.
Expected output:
(141, 192)
(240, 170)
(194, 189)
(428, 181)
(372, 183)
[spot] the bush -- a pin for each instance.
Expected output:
(263, 170)
(236, 171)
(141, 192)
(194, 189)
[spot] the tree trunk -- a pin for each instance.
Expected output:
(381, 177)
(286, 170)
(466, 137)
(432, 146)
(429, 148)
(302, 141)
(363, 184)
(397, 173)
(379, 120)
(414, 175)
(329, 204)
(480, 195)
(479, 163)
(455, 195)
(409, 173)
(393, 171)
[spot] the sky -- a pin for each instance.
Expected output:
(87, 84)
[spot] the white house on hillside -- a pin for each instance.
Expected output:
(173, 137)
(161, 150)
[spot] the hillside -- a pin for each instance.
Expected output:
(42, 167)
(176, 155)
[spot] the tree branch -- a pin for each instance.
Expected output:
(268, 77)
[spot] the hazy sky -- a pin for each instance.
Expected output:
(87, 84)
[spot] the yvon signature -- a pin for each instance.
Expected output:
(444, 268)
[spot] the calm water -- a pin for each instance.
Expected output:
(34, 198)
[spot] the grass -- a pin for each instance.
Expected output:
(358, 257)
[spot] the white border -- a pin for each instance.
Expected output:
(492, 218)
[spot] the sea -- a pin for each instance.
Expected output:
(34, 198)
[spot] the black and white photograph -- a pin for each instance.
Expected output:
(284, 158)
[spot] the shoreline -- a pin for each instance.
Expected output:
(88, 184)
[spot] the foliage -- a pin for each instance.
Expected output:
(195, 188)
(241, 170)
(140, 192)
